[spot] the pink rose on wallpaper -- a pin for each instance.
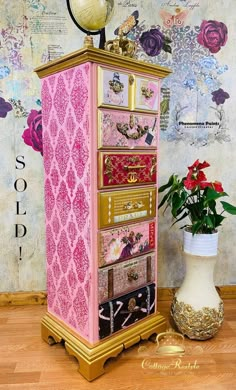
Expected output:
(33, 135)
(212, 35)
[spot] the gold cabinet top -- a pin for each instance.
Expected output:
(101, 57)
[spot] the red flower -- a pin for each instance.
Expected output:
(195, 176)
(217, 186)
(213, 35)
(199, 165)
(32, 136)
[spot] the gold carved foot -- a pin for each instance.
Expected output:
(91, 358)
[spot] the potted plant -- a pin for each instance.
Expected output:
(197, 308)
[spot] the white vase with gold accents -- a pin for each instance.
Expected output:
(197, 308)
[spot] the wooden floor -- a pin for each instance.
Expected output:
(26, 362)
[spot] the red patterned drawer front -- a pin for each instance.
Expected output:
(117, 169)
(126, 276)
(126, 130)
(126, 242)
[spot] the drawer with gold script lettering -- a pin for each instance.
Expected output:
(129, 169)
(117, 207)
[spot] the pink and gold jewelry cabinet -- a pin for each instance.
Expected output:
(100, 140)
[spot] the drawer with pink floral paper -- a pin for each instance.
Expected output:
(123, 277)
(120, 129)
(146, 95)
(126, 242)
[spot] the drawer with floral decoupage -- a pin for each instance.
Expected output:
(125, 276)
(121, 129)
(146, 94)
(126, 169)
(121, 312)
(114, 88)
(116, 207)
(125, 242)
(127, 91)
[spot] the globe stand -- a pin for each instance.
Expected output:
(88, 41)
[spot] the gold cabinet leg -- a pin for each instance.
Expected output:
(92, 357)
(93, 369)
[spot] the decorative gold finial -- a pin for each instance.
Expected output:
(88, 41)
(122, 46)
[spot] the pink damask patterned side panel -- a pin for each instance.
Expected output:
(67, 161)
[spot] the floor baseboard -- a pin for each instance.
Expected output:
(40, 297)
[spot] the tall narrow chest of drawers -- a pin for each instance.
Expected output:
(100, 147)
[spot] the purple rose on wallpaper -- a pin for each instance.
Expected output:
(153, 41)
(33, 135)
(219, 96)
(5, 107)
(212, 35)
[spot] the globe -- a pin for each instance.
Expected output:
(92, 14)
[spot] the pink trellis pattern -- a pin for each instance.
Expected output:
(62, 153)
(70, 126)
(61, 99)
(79, 94)
(67, 164)
(55, 177)
(71, 180)
(48, 152)
(80, 154)
(46, 103)
(56, 225)
(53, 127)
(64, 251)
(50, 244)
(63, 203)
(49, 199)
(64, 297)
(81, 208)
(81, 308)
(81, 260)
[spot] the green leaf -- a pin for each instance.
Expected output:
(167, 48)
(209, 220)
(167, 40)
(218, 219)
(167, 185)
(164, 106)
(229, 208)
(182, 217)
(211, 194)
(164, 199)
(212, 206)
(196, 227)
(177, 203)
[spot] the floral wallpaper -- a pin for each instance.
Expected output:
(193, 38)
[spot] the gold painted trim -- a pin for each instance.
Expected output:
(103, 57)
(92, 358)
